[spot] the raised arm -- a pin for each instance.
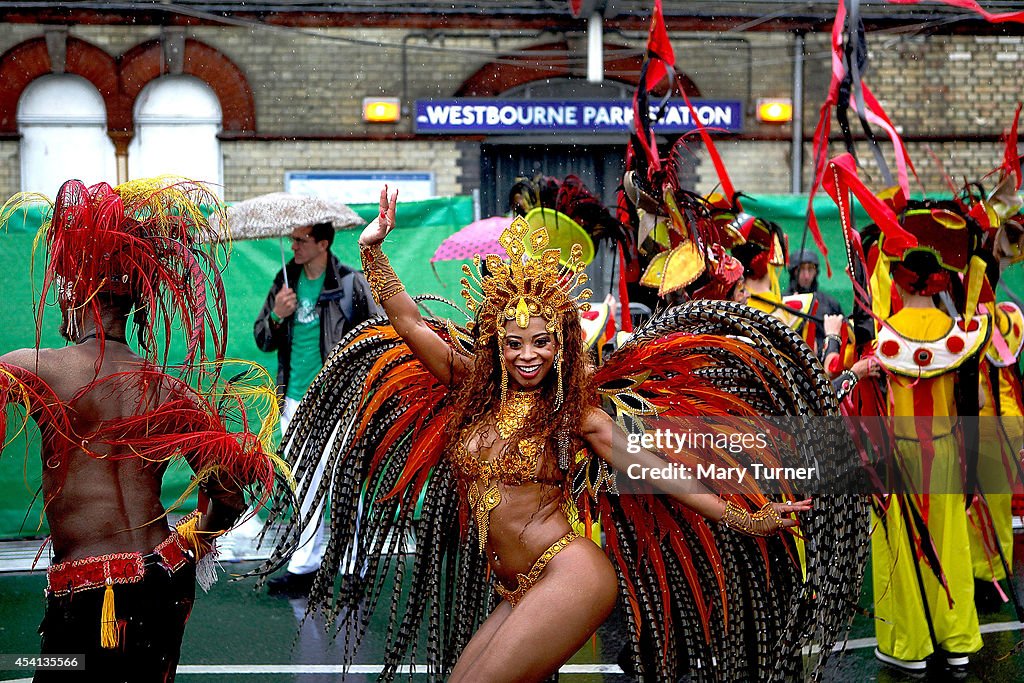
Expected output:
(429, 347)
(598, 432)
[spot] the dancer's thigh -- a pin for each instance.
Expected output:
(481, 639)
(574, 596)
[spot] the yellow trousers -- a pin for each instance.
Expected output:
(987, 564)
(901, 626)
(1000, 439)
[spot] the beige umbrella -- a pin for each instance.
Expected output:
(278, 213)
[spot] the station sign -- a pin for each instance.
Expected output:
(496, 116)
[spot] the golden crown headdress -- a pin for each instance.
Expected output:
(521, 288)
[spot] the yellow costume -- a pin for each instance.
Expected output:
(922, 349)
(1002, 432)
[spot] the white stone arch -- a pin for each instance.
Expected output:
(63, 124)
(177, 120)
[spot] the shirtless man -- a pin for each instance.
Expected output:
(103, 503)
(121, 582)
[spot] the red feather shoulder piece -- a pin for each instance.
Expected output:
(159, 418)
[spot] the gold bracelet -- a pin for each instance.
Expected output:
(764, 522)
(384, 284)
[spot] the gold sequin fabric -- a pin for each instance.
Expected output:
(513, 466)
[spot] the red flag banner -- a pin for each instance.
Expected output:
(974, 7)
(659, 48)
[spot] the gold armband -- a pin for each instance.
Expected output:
(384, 284)
(764, 522)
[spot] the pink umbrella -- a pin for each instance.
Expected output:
(479, 237)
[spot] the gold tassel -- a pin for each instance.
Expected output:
(187, 529)
(108, 619)
(202, 545)
(558, 376)
(504, 378)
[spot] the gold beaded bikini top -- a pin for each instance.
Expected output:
(513, 466)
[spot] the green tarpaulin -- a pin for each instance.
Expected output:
(247, 278)
(423, 225)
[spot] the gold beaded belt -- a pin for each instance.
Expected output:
(527, 581)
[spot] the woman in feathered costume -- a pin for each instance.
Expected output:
(496, 436)
(520, 401)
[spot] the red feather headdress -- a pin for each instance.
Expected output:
(142, 240)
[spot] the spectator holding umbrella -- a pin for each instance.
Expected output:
(313, 302)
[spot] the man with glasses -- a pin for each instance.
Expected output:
(314, 301)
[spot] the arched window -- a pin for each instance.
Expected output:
(63, 126)
(177, 119)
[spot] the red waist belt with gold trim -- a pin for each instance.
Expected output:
(65, 578)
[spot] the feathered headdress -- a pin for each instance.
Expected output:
(999, 212)
(140, 241)
(571, 197)
(519, 288)
(757, 243)
(690, 235)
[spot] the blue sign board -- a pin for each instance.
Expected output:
(495, 116)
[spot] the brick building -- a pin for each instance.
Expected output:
(259, 90)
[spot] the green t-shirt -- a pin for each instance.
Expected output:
(306, 361)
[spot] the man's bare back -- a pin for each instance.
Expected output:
(98, 502)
